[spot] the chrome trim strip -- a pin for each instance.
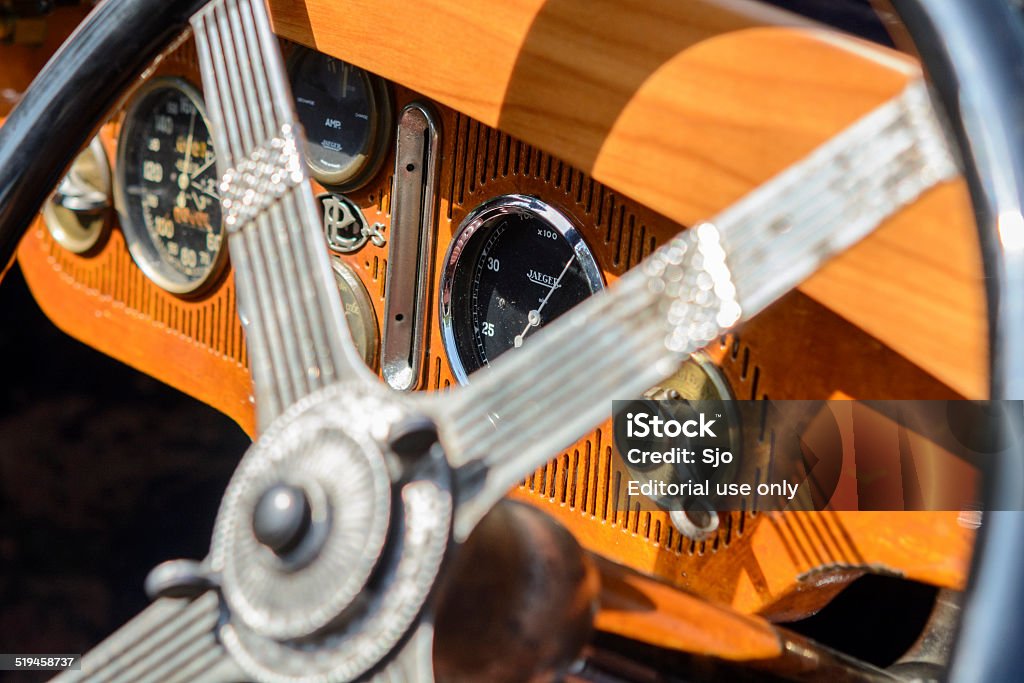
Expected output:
(413, 224)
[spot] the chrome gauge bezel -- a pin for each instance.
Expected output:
(478, 219)
(137, 238)
(359, 173)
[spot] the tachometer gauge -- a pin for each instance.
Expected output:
(167, 187)
(515, 265)
(347, 116)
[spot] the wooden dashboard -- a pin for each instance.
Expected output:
(681, 109)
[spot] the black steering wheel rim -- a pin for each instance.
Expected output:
(973, 53)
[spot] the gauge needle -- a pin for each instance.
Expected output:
(205, 191)
(533, 317)
(188, 145)
(199, 171)
(183, 177)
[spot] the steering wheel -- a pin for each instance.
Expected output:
(343, 520)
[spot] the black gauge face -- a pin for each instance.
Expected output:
(515, 266)
(346, 114)
(167, 187)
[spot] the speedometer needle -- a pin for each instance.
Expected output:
(205, 191)
(188, 143)
(533, 317)
(199, 171)
(184, 178)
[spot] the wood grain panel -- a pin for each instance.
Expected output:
(476, 56)
(685, 106)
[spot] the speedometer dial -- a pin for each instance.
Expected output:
(167, 187)
(515, 265)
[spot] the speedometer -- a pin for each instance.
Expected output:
(167, 187)
(515, 265)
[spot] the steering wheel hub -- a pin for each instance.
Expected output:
(304, 520)
(327, 542)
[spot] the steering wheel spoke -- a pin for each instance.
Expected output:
(174, 640)
(295, 328)
(533, 403)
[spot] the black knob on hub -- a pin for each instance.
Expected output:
(282, 518)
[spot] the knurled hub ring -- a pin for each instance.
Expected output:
(322, 444)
